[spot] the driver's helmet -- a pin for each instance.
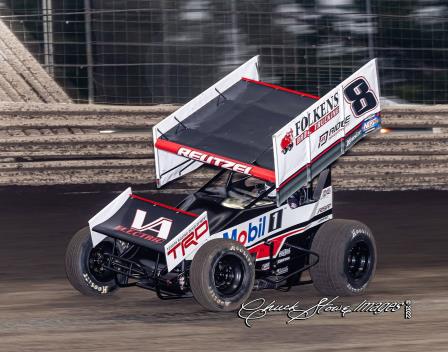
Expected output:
(298, 198)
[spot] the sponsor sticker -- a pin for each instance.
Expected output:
(281, 271)
(353, 138)
(255, 229)
(187, 242)
(284, 252)
(371, 123)
(328, 135)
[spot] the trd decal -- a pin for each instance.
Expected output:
(187, 242)
(191, 239)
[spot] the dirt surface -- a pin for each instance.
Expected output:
(39, 311)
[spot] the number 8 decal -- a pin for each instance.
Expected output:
(360, 97)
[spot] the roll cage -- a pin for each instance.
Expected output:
(215, 197)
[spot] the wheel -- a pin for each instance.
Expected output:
(83, 265)
(347, 258)
(222, 275)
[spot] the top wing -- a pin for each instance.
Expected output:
(233, 130)
(266, 131)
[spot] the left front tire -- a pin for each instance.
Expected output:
(222, 275)
(83, 265)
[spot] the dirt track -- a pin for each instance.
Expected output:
(39, 311)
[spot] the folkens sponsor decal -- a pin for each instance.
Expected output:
(311, 122)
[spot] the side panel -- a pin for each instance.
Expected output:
(187, 242)
(106, 213)
(318, 135)
(279, 224)
(170, 166)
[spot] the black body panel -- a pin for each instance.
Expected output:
(120, 224)
(240, 122)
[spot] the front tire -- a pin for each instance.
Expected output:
(83, 265)
(222, 275)
(347, 258)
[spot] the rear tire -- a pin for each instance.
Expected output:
(82, 265)
(222, 275)
(347, 258)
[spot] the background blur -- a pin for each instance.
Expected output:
(167, 51)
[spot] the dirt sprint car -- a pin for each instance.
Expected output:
(263, 220)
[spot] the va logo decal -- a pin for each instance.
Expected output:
(160, 227)
(156, 231)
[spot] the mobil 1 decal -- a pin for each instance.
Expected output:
(252, 231)
(275, 220)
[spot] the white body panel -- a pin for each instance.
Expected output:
(106, 213)
(256, 230)
(170, 166)
(187, 242)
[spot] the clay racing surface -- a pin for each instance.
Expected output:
(39, 310)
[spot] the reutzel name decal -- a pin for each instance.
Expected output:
(213, 160)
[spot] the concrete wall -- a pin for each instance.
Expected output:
(48, 144)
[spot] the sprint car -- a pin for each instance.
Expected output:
(265, 217)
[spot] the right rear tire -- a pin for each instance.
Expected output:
(347, 258)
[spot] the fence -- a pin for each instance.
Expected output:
(167, 51)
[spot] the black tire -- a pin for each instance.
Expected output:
(347, 258)
(222, 275)
(81, 265)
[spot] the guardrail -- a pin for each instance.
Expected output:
(53, 144)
